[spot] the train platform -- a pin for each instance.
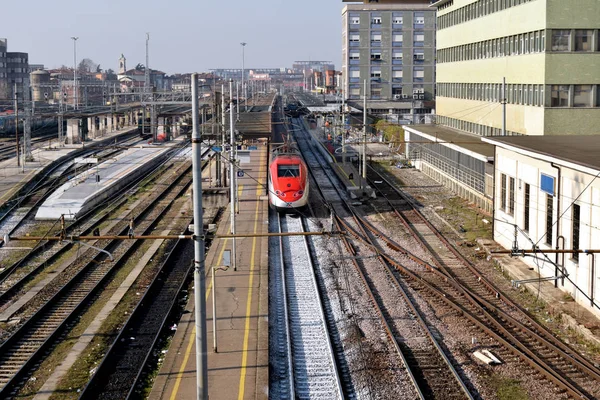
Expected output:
(13, 178)
(89, 188)
(239, 369)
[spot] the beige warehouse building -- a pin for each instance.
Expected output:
(547, 50)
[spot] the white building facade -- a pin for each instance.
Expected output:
(547, 196)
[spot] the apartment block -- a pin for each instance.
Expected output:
(14, 69)
(548, 51)
(390, 44)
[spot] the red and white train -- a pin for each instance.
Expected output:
(288, 179)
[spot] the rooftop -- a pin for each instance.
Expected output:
(467, 141)
(580, 150)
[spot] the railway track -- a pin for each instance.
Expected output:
(8, 150)
(563, 365)
(520, 339)
(306, 366)
(423, 357)
(14, 279)
(23, 350)
(21, 208)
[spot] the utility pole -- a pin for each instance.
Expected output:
(343, 125)
(199, 273)
(364, 163)
(17, 125)
(60, 121)
(232, 173)
(504, 106)
(75, 101)
(237, 93)
(29, 111)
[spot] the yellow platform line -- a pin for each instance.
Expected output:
(249, 300)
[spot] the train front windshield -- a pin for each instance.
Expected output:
(288, 171)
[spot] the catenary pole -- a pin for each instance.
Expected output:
(343, 128)
(17, 125)
(199, 273)
(232, 172)
(364, 164)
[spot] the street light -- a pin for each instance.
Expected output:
(243, 68)
(75, 71)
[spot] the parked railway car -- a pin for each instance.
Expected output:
(288, 180)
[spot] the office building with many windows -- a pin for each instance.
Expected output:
(390, 44)
(547, 50)
(14, 73)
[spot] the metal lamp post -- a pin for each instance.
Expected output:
(243, 73)
(75, 105)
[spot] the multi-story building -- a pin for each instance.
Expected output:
(390, 44)
(14, 70)
(547, 50)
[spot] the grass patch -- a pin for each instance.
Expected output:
(507, 388)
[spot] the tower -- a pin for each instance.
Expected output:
(122, 64)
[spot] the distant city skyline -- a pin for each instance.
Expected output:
(185, 36)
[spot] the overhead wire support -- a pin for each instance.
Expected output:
(199, 256)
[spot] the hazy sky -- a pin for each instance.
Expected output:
(185, 35)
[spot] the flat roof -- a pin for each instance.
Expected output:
(581, 150)
(454, 138)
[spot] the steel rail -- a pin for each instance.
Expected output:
(35, 354)
(540, 333)
(310, 378)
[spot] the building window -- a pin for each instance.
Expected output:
(376, 21)
(419, 20)
(418, 74)
(583, 39)
(582, 96)
(419, 55)
(355, 20)
(526, 203)
(503, 192)
(354, 37)
(376, 73)
(511, 197)
(354, 56)
(418, 39)
(397, 39)
(397, 55)
(397, 21)
(575, 229)
(549, 213)
(376, 37)
(561, 40)
(559, 96)
(376, 56)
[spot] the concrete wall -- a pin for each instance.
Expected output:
(573, 188)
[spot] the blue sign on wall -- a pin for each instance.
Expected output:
(217, 149)
(547, 184)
